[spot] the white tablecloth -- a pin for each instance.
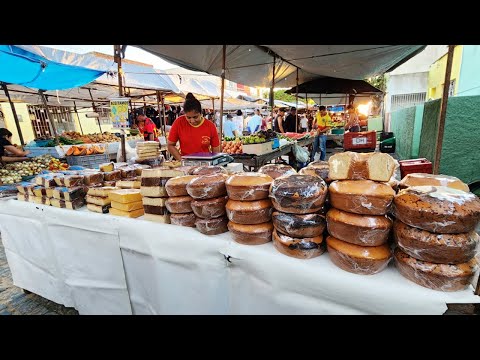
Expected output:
(103, 264)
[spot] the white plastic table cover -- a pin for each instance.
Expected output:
(104, 264)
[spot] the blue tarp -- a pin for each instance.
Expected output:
(21, 67)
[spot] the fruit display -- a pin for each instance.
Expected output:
(85, 150)
(105, 137)
(232, 147)
(14, 172)
(56, 164)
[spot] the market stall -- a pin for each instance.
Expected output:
(103, 264)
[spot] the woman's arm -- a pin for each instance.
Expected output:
(280, 126)
(216, 149)
(172, 149)
(13, 150)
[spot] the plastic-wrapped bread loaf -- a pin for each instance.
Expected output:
(207, 186)
(69, 194)
(251, 234)
(46, 180)
(128, 184)
(298, 225)
(98, 208)
(162, 219)
(436, 248)
(98, 200)
(208, 170)
(363, 197)
(127, 172)
(155, 206)
(438, 209)
(420, 179)
(249, 212)
(357, 229)
(114, 175)
(125, 196)
(363, 260)
(187, 219)
(153, 181)
(179, 204)
(277, 170)
(321, 172)
(298, 194)
(72, 205)
(361, 166)
(177, 186)
(93, 177)
(248, 186)
(137, 205)
(301, 248)
(129, 214)
(210, 208)
(442, 277)
(101, 191)
(212, 226)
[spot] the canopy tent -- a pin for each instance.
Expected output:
(252, 65)
(331, 85)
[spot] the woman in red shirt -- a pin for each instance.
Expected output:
(194, 133)
(147, 128)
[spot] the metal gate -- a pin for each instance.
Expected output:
(60, 114)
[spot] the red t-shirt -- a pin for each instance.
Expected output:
(194, 139)
(148, 128)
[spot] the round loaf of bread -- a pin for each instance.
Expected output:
(301, 248)
(318, 163)
(277, 170)
(251, 234)
(249, 212)
(363, 260)
(438, 209)
(298, 225)
(298, 194)
(420, 179)
(363, 197)
(207, 186)
(177, 186)
(435, 248)
(208, 170)
(210, 208)
(317, 169)
(248, 186)
(442, 277)
(187, 219)
(363, 230)
(212, 226)
(179, 204)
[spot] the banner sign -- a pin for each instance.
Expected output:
(119, 113)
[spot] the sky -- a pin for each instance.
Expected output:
(132, 53)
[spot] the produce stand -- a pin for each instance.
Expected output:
(85, 260)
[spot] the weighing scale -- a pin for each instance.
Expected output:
(206, 159)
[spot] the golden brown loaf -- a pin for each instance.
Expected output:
(212, 226)
(207, 186)
(177, 186)
(249, 212)
(301, 248)
(277, 170)
(208, 170)
(251, 234)
(363, 230)
(361, 166)
(363, 260)
(187, 219)
(179, 204)
(248, 186)
(363, 197)
(438, 209)
(419, 179)
(210, 208)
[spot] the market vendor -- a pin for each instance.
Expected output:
(8, 152)
(147, 128)
(322, 124)
(192, 131)
(353, 122)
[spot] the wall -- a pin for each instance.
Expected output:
(402, 125)
(436, 75)
(422, 61)
(25, 124)
(461, 145)
(90, 125)
(469, 80)
(417, 131)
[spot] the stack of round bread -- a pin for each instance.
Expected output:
(249, 209)
(208, 204)
(319, 168)
(277, 170)
(435, 234)
(298, 201)
(179, 202)
(357, 222)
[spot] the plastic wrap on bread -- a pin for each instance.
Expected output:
(438, 209)
(249, 212)
(248, 186)
(177, 186)
(299, 225)
(437, 248)
(210, 208)
(441, 277)
(364, 197)
(362, 260)
(363, 230)
(251, 234)
(207, 186)
(277, 170)
(298, 194)
(361, 166)
(187, 219)
(301, 248)
(420, 179)
(208, 170)
(179, 204)
(212, 226)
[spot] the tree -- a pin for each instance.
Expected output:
(380, 82)
(281, 95)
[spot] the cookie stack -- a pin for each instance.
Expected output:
(147, 150)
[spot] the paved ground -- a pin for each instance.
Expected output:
(13, 301)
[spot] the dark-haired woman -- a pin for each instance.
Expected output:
(8, 152)
(194, 133)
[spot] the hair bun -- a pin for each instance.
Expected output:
(190, 97)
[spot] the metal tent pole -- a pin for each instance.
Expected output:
(50, 120)
(443, 110)
(95, 109)
(163, 114)
(296, 105)
(78, 117)
(271, 99)
(118, 59)
(14, 111)
(224, 55)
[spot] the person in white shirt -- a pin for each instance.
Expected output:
(255, 122)
(303, 123)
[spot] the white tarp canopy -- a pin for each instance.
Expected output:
(252, 65)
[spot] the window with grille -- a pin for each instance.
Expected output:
(403, 101)
(104, 115)
(62, 115)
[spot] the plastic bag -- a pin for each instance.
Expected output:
(301, 154)
(129, 152)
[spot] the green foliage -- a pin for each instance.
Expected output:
(380, 82)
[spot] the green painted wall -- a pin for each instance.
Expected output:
(375, 123)
(429, 130)
(417, 131)
(403, 125)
